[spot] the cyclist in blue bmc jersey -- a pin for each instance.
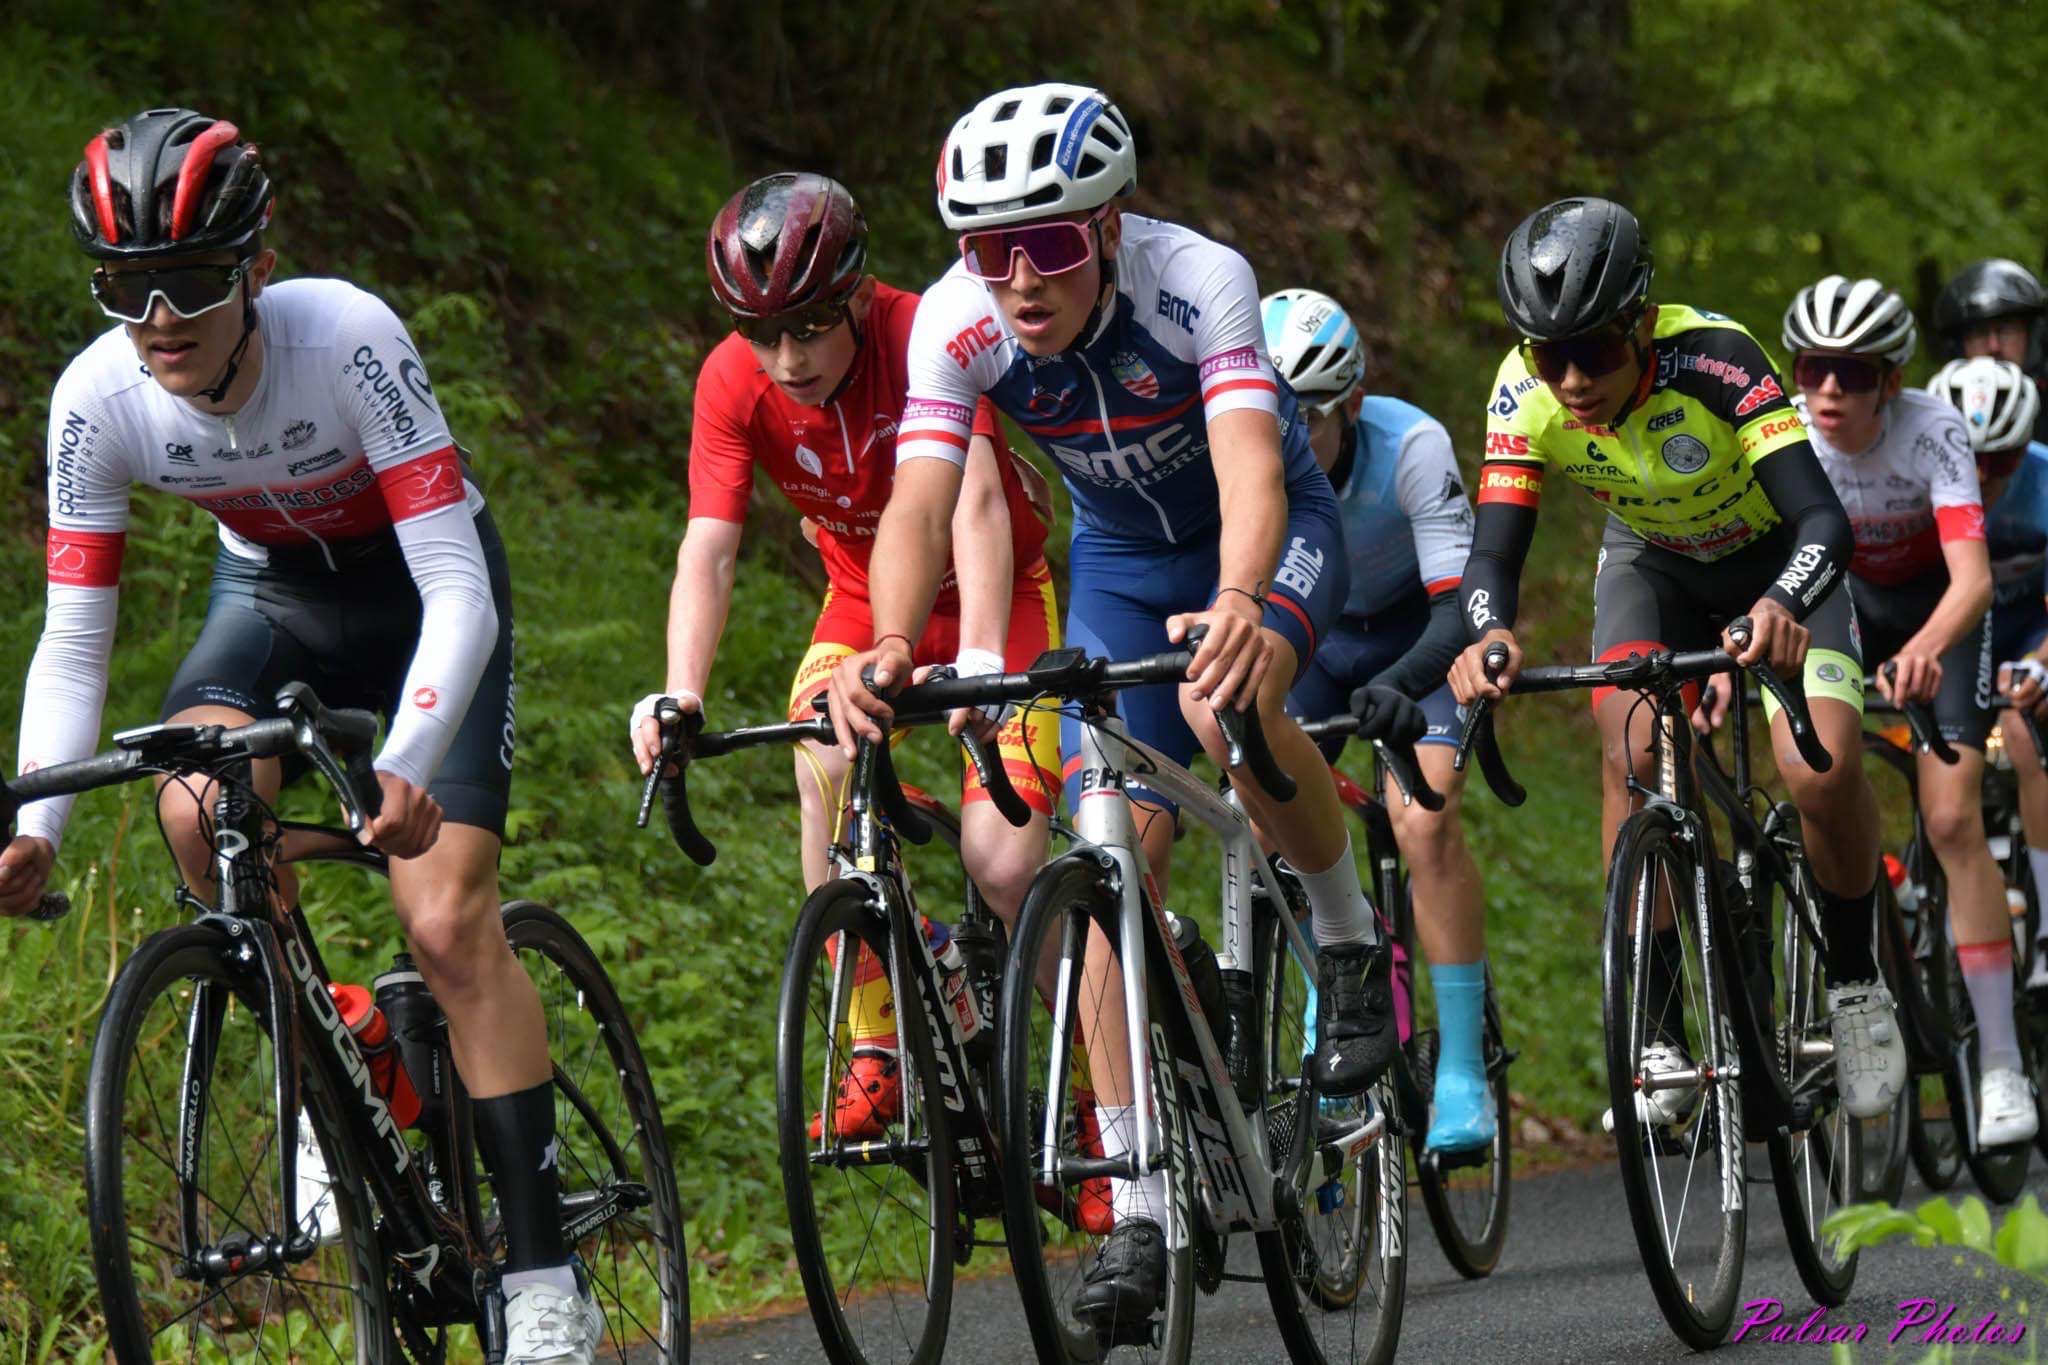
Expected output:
(1131, 350)
(1407, 531)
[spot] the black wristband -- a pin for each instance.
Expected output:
(1243, 591)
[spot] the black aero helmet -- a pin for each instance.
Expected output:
(1573, 266)
(1984, 292)
(168, 181)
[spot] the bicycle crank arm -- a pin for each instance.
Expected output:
(588, 1210)
(1340, 1149)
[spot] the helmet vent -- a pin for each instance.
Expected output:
(995, 161)
(1042, 150)
(1107, 133)
(1007, 112)
(1058, 104)
(959, 165)
(1091, 164)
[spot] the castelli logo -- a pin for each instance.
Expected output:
(426, 698)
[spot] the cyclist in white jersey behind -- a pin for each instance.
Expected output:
(1407, 533)
(1130, 349)
(2000, 404)
(355, 556)
(1921, 583)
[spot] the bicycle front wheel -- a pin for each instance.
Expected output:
(1337, 1268)
(619, 1201)
(183, 1176)
(871, 1200)
(1678, 1135)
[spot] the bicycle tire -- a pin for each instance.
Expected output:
(842, 906)
(592, 1152)
(1372, 1222)
(178, 958)
(1698, 1308)
(1816, 1172)
(1068, 895)
(1473, 1254)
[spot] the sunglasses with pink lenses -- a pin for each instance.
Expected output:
(1052, 248)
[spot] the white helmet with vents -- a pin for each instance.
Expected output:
(1034, 151)
(1861, 317)
(1314, 344)
(1998, 401)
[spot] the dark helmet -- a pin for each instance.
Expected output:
(168, 181)
(1573, 266)
(1984, 292)
(784, 242)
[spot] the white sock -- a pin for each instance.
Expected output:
(1141, 1198)
(2037, 858)
(560, 1278)
(1339, 910)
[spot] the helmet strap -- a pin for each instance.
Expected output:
(219, 392)
(1105, 302)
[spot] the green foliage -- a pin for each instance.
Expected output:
(2019, 1243)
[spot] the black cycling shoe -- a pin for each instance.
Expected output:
(1128, 1280)
(1356, 1037)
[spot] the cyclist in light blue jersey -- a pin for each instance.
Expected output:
(1407, 529)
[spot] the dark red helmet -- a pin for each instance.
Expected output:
(785, 242)
(168, 181)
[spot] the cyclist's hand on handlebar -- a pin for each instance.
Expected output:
(24, 871)
(1910, 676)
(645, 730)
(1774, 637)
(852, 704)
(1468, 676)
(1715, 694)
(1386, 713)
(2021, 681)
(983, 720)
(1232, 659)
(408, 824)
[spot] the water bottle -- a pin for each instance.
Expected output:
(1204, 973)
(954, 987)
(978, 945)
(1903, 887)
(421, 1032)
(1237, 1033)
(360, 1015)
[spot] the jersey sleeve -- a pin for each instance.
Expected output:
(1511, 466)
(384, 390)
(1432, 496)
(1731, 377)
(721, 456)
(1942, 451)
(1222, 309)
(952, 361)
(66, 688)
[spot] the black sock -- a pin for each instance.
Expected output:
(516, 1135)
(1848, 922)
(1667, 1004)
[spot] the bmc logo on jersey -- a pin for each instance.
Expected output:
(1506, 443)
(970, 341)
(1178, 310)
(1763, 393)
(1300, 567)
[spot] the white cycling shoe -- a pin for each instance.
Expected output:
(318, 1214)
(2005, 1108)
(544, 1326)
(1870, 1056)
(2037, 976)
(1661, 1106)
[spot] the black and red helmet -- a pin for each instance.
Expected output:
(168, 181)
(785, 242)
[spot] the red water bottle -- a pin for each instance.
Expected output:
(373, 1034)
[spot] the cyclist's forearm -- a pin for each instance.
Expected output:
(64, 695)
(1823, 542)
(1421, 670)
(914, 540)
(1502, 532)
(984, 563)
(1251, 488)
(698, 602)
(1960, 610)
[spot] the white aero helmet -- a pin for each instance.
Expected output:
(1861, 317)
(1314, 344)
(1998, 401)
(1034, 151)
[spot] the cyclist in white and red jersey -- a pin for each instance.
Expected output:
(1131, 350)
(1920, 579)
(809, 388)
(355, 556)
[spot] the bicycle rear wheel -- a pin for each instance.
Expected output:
(181, 1130)
(619, 1200)
(1337, 1268)
(1682, 1164)
(1818, 1171)
(872, 1218)
(1054, 1225)
(2000, 1172)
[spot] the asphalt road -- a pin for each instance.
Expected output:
(1569, 1288)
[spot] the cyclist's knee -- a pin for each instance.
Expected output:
(181, 805)
(820, 774)
(457, 935)
(1003, 869)
(1428, 839)
(1953, 826)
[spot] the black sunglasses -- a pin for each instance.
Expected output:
(805, 324)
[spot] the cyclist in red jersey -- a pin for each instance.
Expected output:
(809, 388)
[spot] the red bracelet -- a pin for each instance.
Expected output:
(895, 635)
